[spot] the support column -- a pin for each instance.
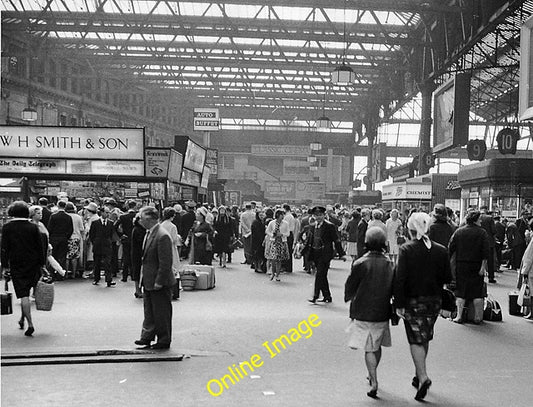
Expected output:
(426, 121)
(371, 123)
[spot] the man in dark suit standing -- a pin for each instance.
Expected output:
(124, 227)
(323, 237)
(101, 235)
(361, 231)
(60, 228)
(157, 280)
(487, 223)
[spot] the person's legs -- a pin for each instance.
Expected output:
(372, 361)
(162, 312)
(419, 354)
(97, 260)
(460, 302)
(478, 309)
(25, 307)
(148, 327)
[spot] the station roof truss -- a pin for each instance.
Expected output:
(273, 61)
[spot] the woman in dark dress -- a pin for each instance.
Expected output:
(258, 237)
(22, 257)
(423, 268)
(470, 245)
(223, 235)
(137, 240)
(201, 235)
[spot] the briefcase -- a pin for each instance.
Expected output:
(7, 301)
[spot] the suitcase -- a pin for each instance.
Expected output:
(514, 308)
(206, 276)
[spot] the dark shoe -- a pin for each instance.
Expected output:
(312, 300)
(326, 300)
(492, 281)
(95, 282)
(111, 284)
(138, 295)
(161, 345)
(373, 394)
(423, 390)
(415, 382)
(142, 342)
(21, 323)
(29, 331)
(457, 320)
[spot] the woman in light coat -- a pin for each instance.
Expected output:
(277, 233)
(168, 225)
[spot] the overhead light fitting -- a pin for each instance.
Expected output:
(311, 159)
(315, 146)
(343, 74)
(29, 114)
(323, 122)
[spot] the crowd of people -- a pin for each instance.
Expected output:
(407, 257)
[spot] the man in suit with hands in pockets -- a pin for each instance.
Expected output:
(157, 280)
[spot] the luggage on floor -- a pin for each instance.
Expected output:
(514, 308)
(492, 310)
(205, 276)
(188, 279)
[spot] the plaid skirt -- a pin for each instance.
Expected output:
(420, 316)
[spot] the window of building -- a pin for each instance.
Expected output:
(73, 121)
(228, 162)
(63, 119)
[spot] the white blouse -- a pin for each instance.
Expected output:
(283, 228)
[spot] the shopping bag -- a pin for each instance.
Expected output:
(524, 295)
(7, 301)
(44, 296)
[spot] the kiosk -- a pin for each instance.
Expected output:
(505, 185)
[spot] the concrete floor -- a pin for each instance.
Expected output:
(487, 365)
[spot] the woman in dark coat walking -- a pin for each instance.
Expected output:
(470, 245)
(22, 257)
(423, 268)
(137, 240)
(369, 288)
(223, 235)
(258, 238)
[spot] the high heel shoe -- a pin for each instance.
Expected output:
(29, 331)
(415, 382)
(21, 323)
(423, 390)
(373, 393)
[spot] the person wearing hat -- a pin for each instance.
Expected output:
(440, 230)
(101, 237)
(91, 215)
(322, 240)
(187, 221)
(43, 203)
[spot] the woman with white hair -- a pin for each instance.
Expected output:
(423, 269)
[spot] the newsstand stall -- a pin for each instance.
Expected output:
(423, 193)
(504, 185)
(81, 162)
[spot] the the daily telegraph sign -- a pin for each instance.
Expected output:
(66, 150)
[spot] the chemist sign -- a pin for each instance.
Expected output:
(72, 142)
(206, 119)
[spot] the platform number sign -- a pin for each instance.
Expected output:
(428, 159)
(507, 139)
(476, 150)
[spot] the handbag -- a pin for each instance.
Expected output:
(394, 318)
(298, 250)
(492, 310)
(7, 301)
(524, 295)
(44, 295)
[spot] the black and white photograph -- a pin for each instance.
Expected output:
(266, 203)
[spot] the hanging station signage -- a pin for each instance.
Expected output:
(206, 119)
(72, 150)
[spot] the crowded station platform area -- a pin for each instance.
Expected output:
(266, 203)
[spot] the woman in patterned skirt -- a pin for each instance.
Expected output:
(277, 249)
(423, 269)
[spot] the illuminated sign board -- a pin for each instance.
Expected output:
(206, 119)
(72, 142)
